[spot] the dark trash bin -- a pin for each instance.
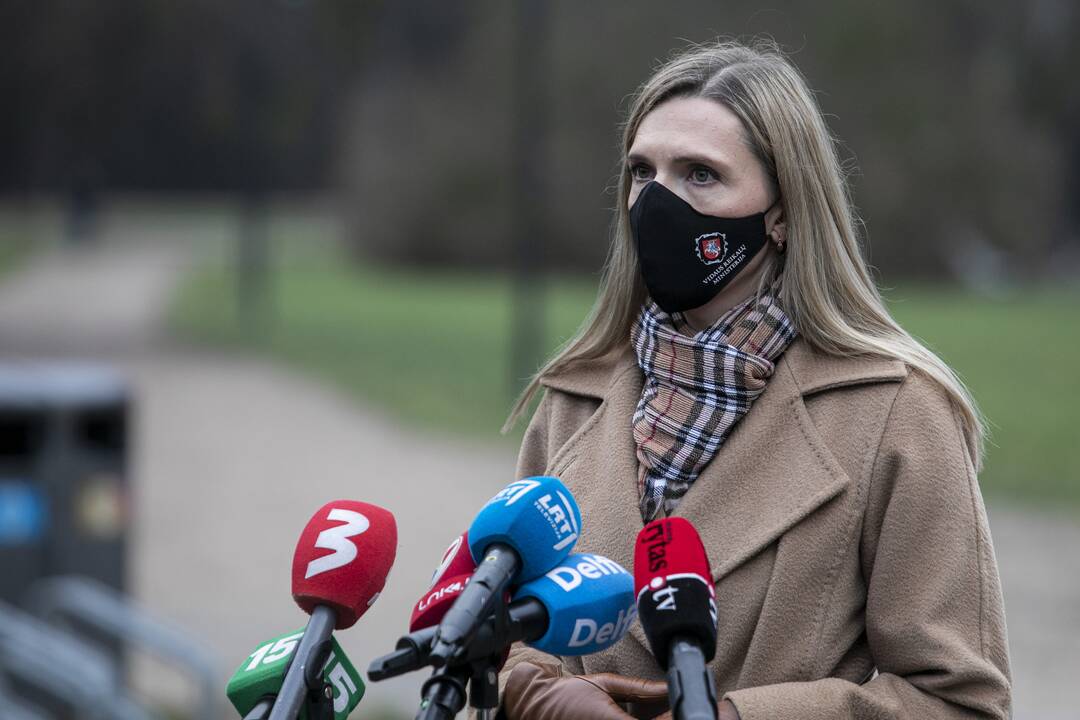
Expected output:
(64, 483)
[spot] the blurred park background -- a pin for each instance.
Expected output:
(322, 244)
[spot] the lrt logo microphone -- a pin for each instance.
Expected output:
(560, 515)
(514, 491)
(337, 539)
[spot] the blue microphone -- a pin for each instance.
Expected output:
(529, 527)
(582, 606)
(589, 601)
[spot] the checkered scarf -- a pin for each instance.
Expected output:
(696, 389)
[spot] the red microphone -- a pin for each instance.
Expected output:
(676, 603)
(342, 559)
(456, 560)
(430, 609)
(339, 568)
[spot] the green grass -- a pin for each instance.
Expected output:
(430, 348)
(1018, 354)
(433, 350)
(14, 246)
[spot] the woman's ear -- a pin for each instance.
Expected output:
(776, 225)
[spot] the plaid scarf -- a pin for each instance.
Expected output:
(696, 389)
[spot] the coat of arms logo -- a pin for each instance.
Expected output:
(711, 248)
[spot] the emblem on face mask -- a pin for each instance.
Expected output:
(711, 248)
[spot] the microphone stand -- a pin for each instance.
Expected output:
(302, 679)
(484, 688)
(521, 620)
(261, 711)
(318, 703)
(444, 692)
(484, 681)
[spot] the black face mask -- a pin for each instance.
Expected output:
(687, 257)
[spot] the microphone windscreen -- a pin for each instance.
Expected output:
(437, 600)
(343, 557)
(589, 601)
(673, 583)
(536, 516)
(263, 672)
(457, 560)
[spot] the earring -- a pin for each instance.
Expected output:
(778, 241)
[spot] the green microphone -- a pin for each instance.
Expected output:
(255, 684)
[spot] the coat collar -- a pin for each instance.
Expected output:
(812, 371)
(772, 471)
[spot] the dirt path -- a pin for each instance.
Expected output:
(233, 454)
(1039, 558)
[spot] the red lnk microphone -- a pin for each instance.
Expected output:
(339, 568)
(437, 600)
(429, 610)
(456, 560)
(676, 602)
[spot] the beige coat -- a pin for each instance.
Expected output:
(845, 529)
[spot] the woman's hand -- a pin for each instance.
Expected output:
(538, 691)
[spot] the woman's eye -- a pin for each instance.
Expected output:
(702, 174)
(640, 172)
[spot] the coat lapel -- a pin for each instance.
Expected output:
(772, 471)
(599, 464)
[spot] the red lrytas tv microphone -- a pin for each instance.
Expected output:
(676, 603)
(343, 558)
(456, 560)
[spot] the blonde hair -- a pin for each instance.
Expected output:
(826, 285)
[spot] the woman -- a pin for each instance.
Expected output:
(740, 369)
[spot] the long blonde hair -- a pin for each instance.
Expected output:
(826, 289)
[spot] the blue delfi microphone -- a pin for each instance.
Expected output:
(589, 601)
(528, 528)
(582, 606)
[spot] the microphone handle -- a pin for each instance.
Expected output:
(294, 686)
(443, 694)
(691, 689)
(479, 598)
(261, 710)
(528, 621)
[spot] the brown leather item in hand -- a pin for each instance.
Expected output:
(538, 691)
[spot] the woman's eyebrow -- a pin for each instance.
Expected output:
(713, 162)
